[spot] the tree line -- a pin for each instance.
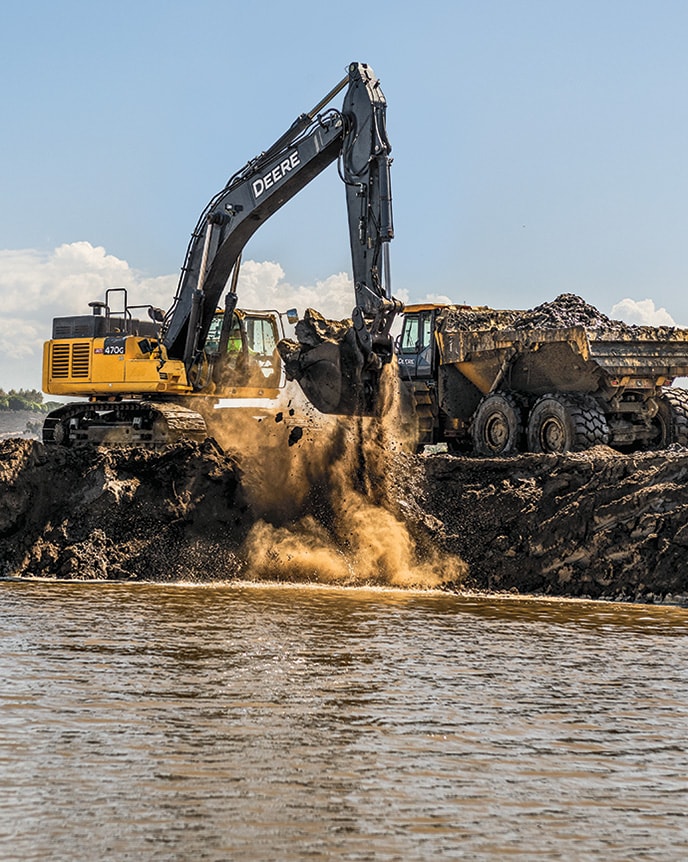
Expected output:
(25, 399)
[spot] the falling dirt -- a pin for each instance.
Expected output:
(323, 503)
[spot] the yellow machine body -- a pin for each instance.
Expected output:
(129, 365)
(135, 394)
(111, 366)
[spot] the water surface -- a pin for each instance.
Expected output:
(279, 722)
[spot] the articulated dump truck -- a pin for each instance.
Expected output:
(560, 377)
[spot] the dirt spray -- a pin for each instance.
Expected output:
(323, 497)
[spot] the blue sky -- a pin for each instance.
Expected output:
(539, 147)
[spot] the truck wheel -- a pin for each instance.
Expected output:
(566, 423)
(497, 425)
(673, 417)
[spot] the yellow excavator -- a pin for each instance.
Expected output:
(136, 393)
(147, 376)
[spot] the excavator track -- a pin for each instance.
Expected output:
(147, 424)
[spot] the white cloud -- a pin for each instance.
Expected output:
(17, 340)
(438, 299)
(642, 312)
(36, 286)
(263, 285)
(39, 285)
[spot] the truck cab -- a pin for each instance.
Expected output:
(415, 347)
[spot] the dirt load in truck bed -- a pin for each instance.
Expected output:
(566, 310)
(569, 318)
(595, 524)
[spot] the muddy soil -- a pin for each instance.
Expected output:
(566, 310)
(595, 524)
(119, 514)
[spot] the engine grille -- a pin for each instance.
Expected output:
(71, 360)
(81, 355)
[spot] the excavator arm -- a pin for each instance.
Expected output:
(335, 378)
(339, 366)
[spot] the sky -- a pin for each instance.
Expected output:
(539, 148)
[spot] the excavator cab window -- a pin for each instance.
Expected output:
(212, 342)
(262, 336)
(251, 357)
(235, 340)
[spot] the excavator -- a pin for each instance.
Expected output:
(148, 382)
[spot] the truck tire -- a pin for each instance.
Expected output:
(566, 423)
(497, 427)
(673, 417)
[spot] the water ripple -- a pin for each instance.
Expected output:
(265, 722)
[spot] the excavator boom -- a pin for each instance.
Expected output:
(233, 216)
(341, 376)
(339, 366)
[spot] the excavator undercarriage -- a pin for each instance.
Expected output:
(147, 424)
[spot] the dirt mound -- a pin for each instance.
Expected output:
(95, 513)
(595, 524)
(565, 311)
(285, 506)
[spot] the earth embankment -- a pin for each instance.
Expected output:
(120, 513)
(596, 524)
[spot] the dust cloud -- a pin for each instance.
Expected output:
(323, 497)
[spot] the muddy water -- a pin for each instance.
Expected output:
(243, 722)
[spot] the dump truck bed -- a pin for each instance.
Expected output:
(491, 347)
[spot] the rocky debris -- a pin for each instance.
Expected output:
(594, 524)
(567, 310)
(328, 362)
(311, 331)
(458, 319)
(564, 311)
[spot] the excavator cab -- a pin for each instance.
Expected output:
(243, 354)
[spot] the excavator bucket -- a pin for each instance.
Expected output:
(329, 366)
